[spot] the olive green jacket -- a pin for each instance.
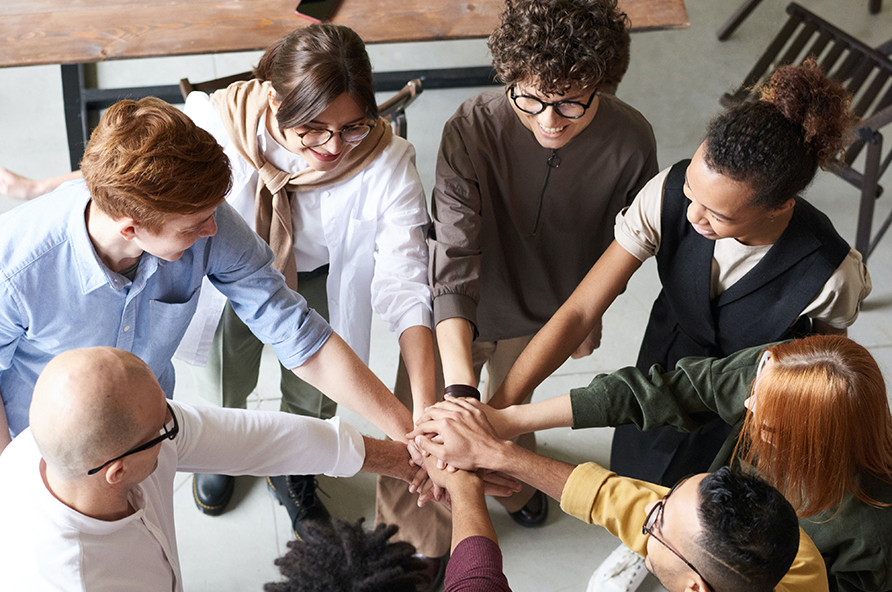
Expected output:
(855, 538)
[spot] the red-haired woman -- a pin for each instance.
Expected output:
(811, 416)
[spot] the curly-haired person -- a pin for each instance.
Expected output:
(345, 557)
(529, 179)
(743, 260)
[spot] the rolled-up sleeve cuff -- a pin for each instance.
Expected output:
(581, 490)
(351, 450)
(450, 306)
(416, 316)
(634, 245)
(590, 405)
(314, 332)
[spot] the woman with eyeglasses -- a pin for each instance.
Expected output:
(742, 259)
(810, 416)
(324, 180)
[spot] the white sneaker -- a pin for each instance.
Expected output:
(622, 571)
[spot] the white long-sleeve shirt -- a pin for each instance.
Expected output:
(370, 228)
(46, 545)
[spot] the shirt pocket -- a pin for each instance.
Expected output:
(169, 320)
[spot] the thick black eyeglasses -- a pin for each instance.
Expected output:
(534, 106)
(166, 434)
(653, 516)
(351, 135)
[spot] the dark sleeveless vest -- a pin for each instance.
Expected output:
(764, 306)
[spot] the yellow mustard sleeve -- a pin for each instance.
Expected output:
(597, 496)
(808, 572)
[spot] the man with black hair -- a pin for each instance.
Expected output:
(722, 532)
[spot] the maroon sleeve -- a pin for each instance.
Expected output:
(476, 566)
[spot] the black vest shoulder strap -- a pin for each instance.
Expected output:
(684, 262)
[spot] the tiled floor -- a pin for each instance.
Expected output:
(675, 79)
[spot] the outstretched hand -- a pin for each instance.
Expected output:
(16, 186)
(457, 432)
(497, 418)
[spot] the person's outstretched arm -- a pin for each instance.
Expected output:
(417, 349)
(476, 562)
(454, 337)
(336, 371)
(570, 325)
(16, 186)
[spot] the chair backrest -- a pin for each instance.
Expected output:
(393, 109)
(864, 71)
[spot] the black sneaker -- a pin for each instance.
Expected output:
(298, 494)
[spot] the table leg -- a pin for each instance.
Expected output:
(75, 112)
(744, 11)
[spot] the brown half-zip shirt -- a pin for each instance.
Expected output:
(517, 226)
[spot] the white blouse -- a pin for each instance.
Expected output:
(370, 229)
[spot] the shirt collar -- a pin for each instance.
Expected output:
(93, 274)
(275, 153)
(68, 517)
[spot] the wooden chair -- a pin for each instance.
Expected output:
(393, 109)
(866, 73)
(873, 6)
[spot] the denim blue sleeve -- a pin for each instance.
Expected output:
(10, 327)
(239, 264)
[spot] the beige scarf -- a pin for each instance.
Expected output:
(241, 105)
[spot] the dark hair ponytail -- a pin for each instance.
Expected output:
(313, 66)
(776, 144)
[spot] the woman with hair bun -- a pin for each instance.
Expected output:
(322, 178)
(743, 259)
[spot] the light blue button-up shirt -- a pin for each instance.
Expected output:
(56, 295)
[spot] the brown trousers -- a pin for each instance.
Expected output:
(430, 528)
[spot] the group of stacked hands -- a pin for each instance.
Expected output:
(548, 198)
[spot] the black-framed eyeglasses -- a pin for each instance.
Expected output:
(167, 433)
(534, 106)
(351, 135)
(654, 516)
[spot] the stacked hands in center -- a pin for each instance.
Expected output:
(455, 441)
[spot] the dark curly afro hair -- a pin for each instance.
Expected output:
(345, 557)
(776, 144)
(558, 44)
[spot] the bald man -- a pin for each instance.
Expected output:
(86, 501)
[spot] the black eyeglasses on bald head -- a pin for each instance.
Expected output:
(167, 433)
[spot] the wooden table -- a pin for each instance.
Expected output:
(81, 31)
(75, 32)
